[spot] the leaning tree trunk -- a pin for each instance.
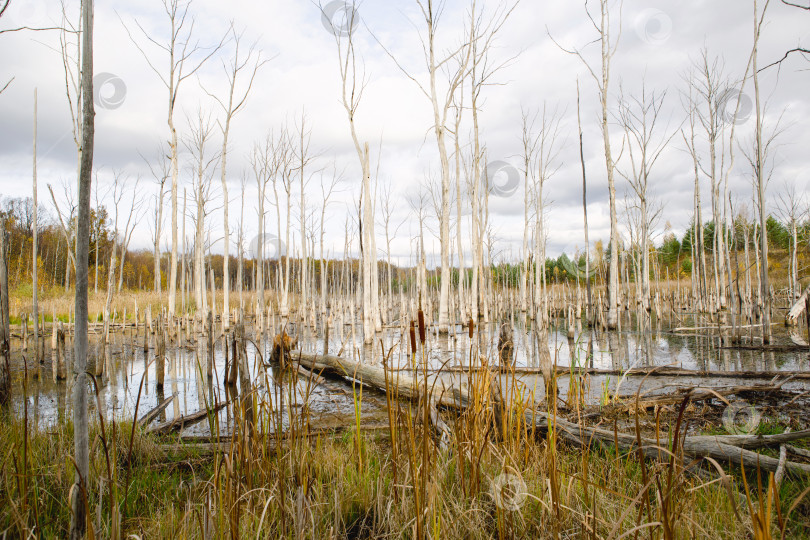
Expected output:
(589, 309)
(80, 425)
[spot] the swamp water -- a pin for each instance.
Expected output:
(44, 400)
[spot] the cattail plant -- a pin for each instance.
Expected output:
(421, 317)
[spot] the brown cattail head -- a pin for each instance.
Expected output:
(471, 327)
(421, 316)
(413, 338)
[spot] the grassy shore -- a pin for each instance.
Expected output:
(371, 485)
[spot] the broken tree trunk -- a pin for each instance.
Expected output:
(151, 415)
(798, 307)
(505, 344)
(231, 371)
(210, 350)
(182, 422)
(160, 353)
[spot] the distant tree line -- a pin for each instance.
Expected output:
(671, 258)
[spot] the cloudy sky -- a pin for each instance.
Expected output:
(659, 40)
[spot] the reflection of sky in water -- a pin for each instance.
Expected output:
(334, 404)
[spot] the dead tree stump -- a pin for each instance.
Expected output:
(506, 344)
(160, 352)
(283, 343)
(210, 331)
(59, 365)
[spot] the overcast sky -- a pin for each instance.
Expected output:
(659, 39)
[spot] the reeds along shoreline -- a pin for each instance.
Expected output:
(479, 470)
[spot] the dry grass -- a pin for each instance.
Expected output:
(60, 302)
(403, 483)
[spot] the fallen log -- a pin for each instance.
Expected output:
(752, 442)
(660, 371)
(312, 432)
(701, 446)
(798, 451)
(714, 447)
(692, 328)
(184, 451)
(664, 371)
(768, 348)
(151, 415)
(304, 372)
(407, 386)
(181, 422)
(630, 402)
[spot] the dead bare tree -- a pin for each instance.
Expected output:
(387, 211)
(66, 224)
(160, 173)
(284, 176)
(250, 63)
(203, 163)
(713, 95)
(303, 157)
(546, 165)
(240, 247)
(260, 160)
(267, 161)
(441, 100)
(418, 201)
(327, 189)
(758, 165)
(458, 111)
(185, 58)
(589, 309)
(352, 86)
(601, 76)
(80, 413)
(133, 211)
(35, 261)
(698, 250)
(758, 159)
(483, 30)
(5, 329)
(639, 117)
(529, 145)
(793, 209)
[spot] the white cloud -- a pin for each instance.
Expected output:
(658, 40)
